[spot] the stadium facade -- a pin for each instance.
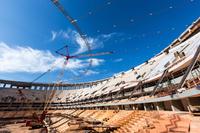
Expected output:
(165, 86)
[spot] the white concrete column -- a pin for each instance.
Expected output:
(157, 107)
(145, 108)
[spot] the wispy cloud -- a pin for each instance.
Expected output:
(118, 60)
(53, 35)
(27, 59)
(72, 36)
(95, 61)
(93, 42)
(89, 72)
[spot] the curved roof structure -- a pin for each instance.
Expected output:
(159, 95)
(166, 59)
(176, 57)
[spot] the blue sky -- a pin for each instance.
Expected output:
(136, 30)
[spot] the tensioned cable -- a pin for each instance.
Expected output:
(76, 26)
(56, 62)
(73, 22)
(60, 75)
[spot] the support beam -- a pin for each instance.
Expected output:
(159, 82)
(193, 61)
(136, 88)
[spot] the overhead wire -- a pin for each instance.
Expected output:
(74, 23)
(54, 65)
(76, 26)
(52, 94)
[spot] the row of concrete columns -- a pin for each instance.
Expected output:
(175, 105)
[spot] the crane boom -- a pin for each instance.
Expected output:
(90, 55)
(72, 21)
(68, 56)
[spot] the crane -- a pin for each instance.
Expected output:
(38, 121)
(82, 35)
(67, 56)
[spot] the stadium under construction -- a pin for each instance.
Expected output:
(160, 95)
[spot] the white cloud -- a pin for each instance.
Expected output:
(82, 46)
(61, 33)
(118, 60)
(95, 61)
(74, 37)
(24, 59)
(108, 36)
(94, 42)
(53, 35)
(89, 72)
(27, 59)
(75, 72)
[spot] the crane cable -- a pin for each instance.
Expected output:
(52, 93)
(78, 29)
(56, 62)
